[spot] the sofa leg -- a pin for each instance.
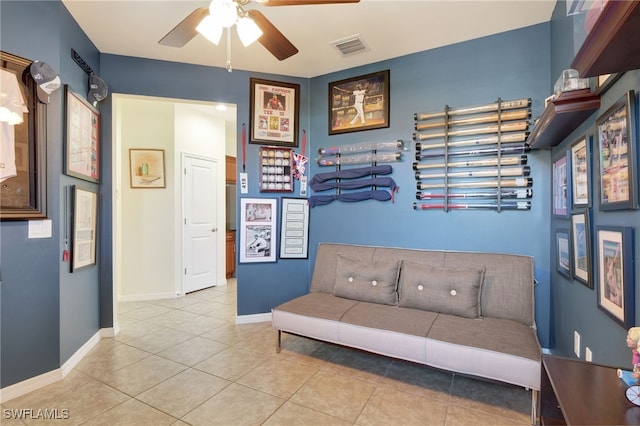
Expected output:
(535, 407)
(279, 341)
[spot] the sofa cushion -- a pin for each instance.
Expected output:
(367, 280)
(454, 291)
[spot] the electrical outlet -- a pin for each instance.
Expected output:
(588, 356)
(576, 343)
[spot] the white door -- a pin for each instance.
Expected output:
(200, 234)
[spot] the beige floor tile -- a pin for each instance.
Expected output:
(133, 413)
(278, 377)
(160, 340)
(306, 351)
(388, 405)
(360, 364)
(193, 351)
(336, 395)
(419, 379)
(148, 310)
(183, 392)
(109, 355)
(296, 415)
(173, 318)
(264, 341)
(463, 416)
(232, 363)
(235, 333)
(235, 405)
(200, 325)
(136, 330)
(176, 303)
(203, 307)
(142, 375)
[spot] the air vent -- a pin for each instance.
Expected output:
(350, 45)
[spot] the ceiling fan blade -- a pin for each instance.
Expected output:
(303, 2)
(185, 30)
(272, 39)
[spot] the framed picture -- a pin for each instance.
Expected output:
(359, 103)
(276, 169)
(563, 253)
(580, 172)
(617, 171)
(603, 82)
(294, 230)
(146, 168)
(258, 230)
(581, 247)
(82, 138)
(614, 250)
(84, 227)
(274, 108)
(560, 190)
(23, 193)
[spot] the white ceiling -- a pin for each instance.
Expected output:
(389, 28)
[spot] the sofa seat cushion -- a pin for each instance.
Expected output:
(447, 290)
(318, 304)
(367, 280)
(393, 318)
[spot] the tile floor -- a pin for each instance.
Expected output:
(185, 361)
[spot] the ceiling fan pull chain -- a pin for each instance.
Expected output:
(229, 49)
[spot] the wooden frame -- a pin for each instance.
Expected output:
(580, 173)
(82, 137)
(258, 230)
(274, 108)
(294, 229)
(147, 168)
(24, 196)
(560, 186)
(581, 246)
(614, 250)
(84, 228)
(563, 253)
(359, 103)
(617, 170)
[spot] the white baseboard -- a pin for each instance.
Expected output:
(71, 363)
(247, 319)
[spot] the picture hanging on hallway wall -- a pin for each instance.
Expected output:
(294, 229)
(258, 230)
(581, 246)
(82, 138)
(580, 171)
(563, 253)
(359, 103)
(84, 220)
(274, 108)
(146, 168)
(560, 189)
(614, 250)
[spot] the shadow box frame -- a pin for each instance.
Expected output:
(277, 122)
(24, 196)
(82, 137)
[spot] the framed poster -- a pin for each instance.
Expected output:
(580, 172)
(617, 171)
(581, 247)
(614, 250)
(560, 193)
(84, 227)
(274, 108)
(294, 230)
(146, 168)
(563, 253)
(359, 103)
(257, 230)
(23, 172)
(82, 138)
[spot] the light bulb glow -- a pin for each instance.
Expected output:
(224, 12)
(210, 29)
(248, 30)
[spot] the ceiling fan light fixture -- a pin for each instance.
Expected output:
(224, 12)
(210, 29)
(248, 30)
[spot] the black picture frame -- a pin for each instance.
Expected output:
(274, 108)
(82, 137)
(616, 143)
(563, 253)
(614, 248)
(580, 153)
(581, 246)
(294, 228)
(364, 98)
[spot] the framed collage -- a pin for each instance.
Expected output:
(258, 230)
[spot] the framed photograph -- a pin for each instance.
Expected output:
(563, 253)
(258, 230)
(274, 108)
(617, 170)
(580, 172)
(614, 250)
(82, 138)
(359, 103)
(84, 228)
(146, 168)
(581, 247)
(294, 229)
(23, 171)
(560, 190)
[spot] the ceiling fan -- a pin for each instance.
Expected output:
(251, 24)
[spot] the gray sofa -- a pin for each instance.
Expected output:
(465, 312)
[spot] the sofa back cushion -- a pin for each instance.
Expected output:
(367, 280)
(453, 291)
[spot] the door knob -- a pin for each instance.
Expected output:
(214, 229)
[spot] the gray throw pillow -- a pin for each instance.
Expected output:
(453, 291)
(367, 280)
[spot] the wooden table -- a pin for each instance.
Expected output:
(576, 392)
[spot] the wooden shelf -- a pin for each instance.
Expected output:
(562, 116)
(613, 44)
